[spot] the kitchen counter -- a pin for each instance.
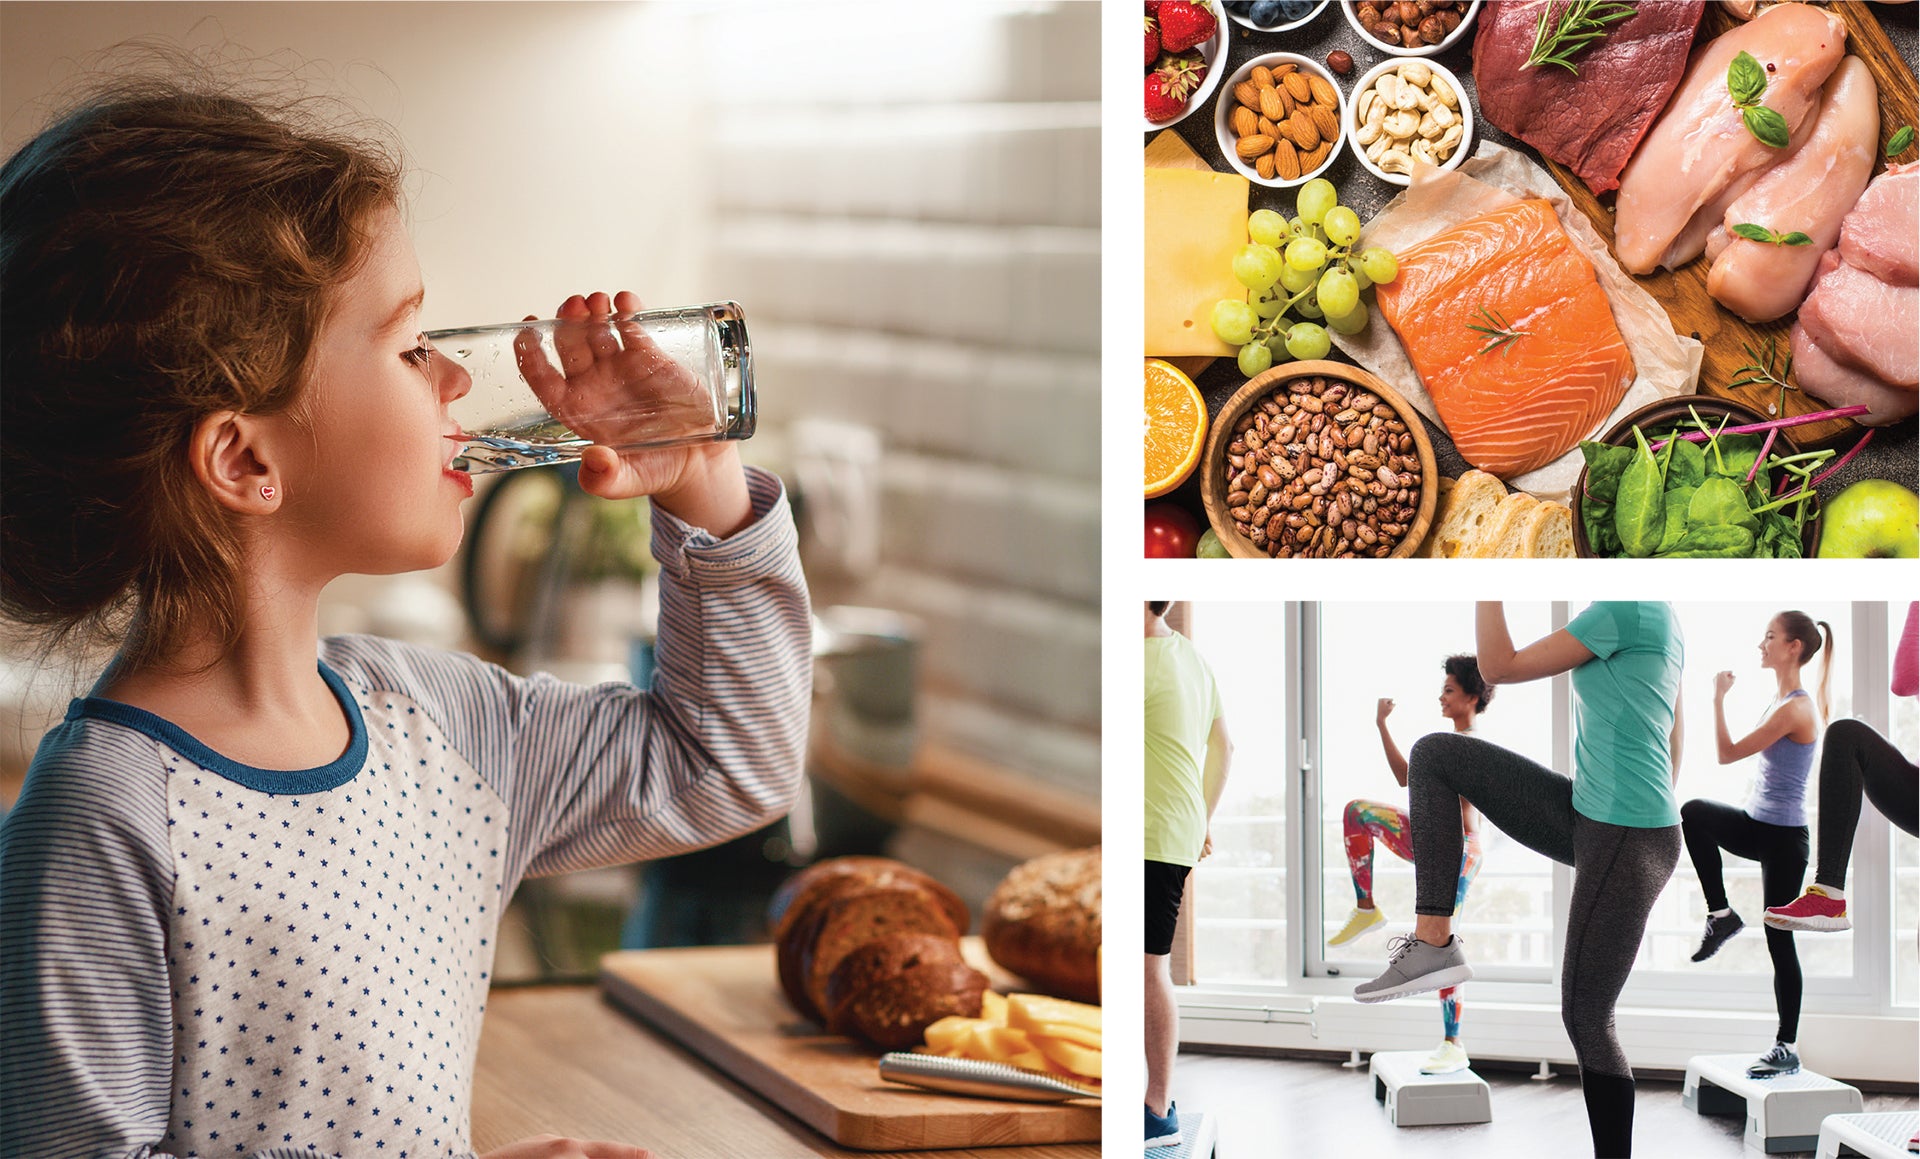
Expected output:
(561, 1060)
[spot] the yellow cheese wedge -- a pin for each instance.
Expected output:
(998, 1043)
(951, 1033)
(1071, 1055)
(1196, 223)
(993, 1007)
(1066, 1031)
(1032, 1060)
(1030, 1010)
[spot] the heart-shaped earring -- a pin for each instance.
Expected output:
(267, 493)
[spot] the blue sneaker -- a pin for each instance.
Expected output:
(1163, 1130)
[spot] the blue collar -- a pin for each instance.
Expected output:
(316, 780)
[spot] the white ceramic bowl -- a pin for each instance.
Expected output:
(1213, 50)
(1350, 116)
(1223, 117)
(1348, 7)
(1283, 26)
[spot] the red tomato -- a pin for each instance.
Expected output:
(1172, 533)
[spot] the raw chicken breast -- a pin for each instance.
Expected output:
(1701, 145)
(1811, 192)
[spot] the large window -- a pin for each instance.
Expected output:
(1366, 653)
(1240, 898)
(1300, 682)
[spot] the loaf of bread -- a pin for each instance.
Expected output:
(889, 990)
(843, 925)
(1043, 923)
(870, 946)
(1477, 517)
(802, 898)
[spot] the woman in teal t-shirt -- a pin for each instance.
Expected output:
(1615, 822)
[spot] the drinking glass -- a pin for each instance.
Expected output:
(544, 391)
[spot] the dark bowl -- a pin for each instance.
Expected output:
(1670, 411)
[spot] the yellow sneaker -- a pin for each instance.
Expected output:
(1358, 922)
(1449, 1058)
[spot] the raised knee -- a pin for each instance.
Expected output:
(1848, 729)
(1691, 812)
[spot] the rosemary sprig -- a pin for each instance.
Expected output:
(1760, 371)
(1498, 329)
(1579, 24)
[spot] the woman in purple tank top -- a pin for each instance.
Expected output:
(1772, 829)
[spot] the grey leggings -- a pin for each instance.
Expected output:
(1618, 871)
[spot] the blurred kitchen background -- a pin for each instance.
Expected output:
(905, 200)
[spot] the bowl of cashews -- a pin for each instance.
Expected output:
(1408, 110)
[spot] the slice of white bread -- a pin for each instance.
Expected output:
(1549, 533)
(1503, 535)
(1463, 511)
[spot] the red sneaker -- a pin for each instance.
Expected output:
(1812, 910)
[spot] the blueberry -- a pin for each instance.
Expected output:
(1295, 9)
(1266, 13)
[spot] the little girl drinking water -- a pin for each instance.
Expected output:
(250, 892)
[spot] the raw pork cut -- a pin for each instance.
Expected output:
(1591, 121)
(1857, 336)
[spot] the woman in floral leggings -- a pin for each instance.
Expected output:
(1463, 696)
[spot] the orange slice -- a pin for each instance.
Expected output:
(1176, 427)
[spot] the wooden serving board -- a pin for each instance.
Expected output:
(1684, 291)
(724, 1004)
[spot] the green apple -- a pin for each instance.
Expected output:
(1872, 519)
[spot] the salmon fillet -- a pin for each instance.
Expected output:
(1518, 407)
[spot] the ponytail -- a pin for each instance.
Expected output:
(1800, 626)
(1826, 674)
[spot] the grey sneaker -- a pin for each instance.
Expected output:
(1778, 1061)
(1414, 967)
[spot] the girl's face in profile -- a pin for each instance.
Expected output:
(1777, 648)
(371, 491)
(1454, 702)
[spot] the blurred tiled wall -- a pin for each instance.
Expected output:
(911, 215)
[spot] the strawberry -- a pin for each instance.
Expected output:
(1184, 24)
(1153, 7)
(1153, 41)
(1173, 84)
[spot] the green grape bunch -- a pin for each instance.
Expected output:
(1303, 277)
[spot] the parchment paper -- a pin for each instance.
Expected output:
(1664, 362)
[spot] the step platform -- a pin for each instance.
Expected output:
(1198, 1132)
(1424, 1100)
(1881, 1136)
(1783, 1114)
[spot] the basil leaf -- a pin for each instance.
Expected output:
(1746, 80)
(1796, 238)
(1753, 232)
(1901, 141)
(1767, 126)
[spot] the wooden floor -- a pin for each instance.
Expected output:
(1318, 1108)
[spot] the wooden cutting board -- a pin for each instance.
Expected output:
(1726, 336)
(724, 1004)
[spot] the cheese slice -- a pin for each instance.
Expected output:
(1196, 223)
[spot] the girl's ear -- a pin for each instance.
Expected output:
(230, 457)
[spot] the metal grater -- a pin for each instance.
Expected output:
(992, 1080)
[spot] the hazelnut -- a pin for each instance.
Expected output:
(1340, 62)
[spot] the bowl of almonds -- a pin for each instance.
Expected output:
(1318, 460)
(1406, 110)
(1278, 119)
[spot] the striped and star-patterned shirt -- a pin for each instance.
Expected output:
(198, 957)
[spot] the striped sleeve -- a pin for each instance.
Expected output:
(609, 774)
(86, 884)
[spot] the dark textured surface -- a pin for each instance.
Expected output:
(1894, 452)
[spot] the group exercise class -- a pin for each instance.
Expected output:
(1515, 879)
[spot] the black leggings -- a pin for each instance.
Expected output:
(1781, 850)
(1618, 873)
(1853, 759)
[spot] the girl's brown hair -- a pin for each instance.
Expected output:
(1802, 627)
(166, 253)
